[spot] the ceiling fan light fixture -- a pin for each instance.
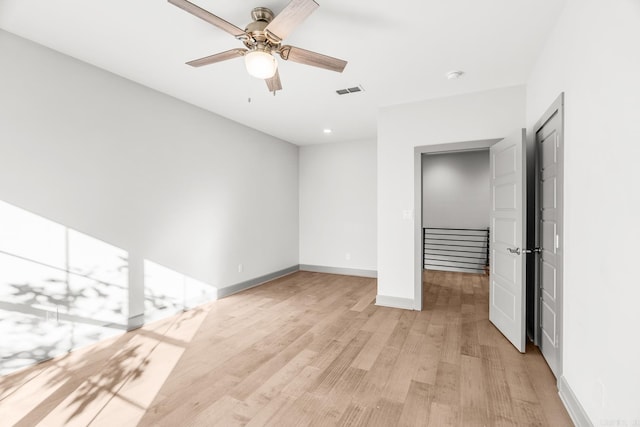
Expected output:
(260, 64)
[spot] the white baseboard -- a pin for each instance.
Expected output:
(571, 402)
(239, 287)
(395, 302)
(339, 270)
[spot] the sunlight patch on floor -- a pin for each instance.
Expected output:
(120, 392)
(25, 397)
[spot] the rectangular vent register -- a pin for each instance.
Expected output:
(349, 90)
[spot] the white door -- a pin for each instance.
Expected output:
(548, 144)
(507, 222)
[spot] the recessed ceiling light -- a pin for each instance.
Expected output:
(327, 130)
(453, 75)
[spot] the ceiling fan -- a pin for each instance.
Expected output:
(263, 38)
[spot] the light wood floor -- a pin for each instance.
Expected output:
(305, 349)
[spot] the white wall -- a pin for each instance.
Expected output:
(477, 116)
(592, 56)
(338, 205)
(167, 182)
(455, 190)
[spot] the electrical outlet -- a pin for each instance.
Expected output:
(347, 256)
(51, 313)
(240, 268)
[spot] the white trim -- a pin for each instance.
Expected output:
(135, 322)
(252, 283)
(339, 270)
(571, 402)
(395, 302)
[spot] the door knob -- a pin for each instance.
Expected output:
(514, 250)
(532, 251)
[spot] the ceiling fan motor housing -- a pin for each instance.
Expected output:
(259, 38)
(262, 14)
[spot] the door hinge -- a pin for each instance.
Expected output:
(540, 311)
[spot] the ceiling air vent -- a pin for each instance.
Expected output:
(349, 90)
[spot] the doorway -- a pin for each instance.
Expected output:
(455, 202)
(504, 213)
(459, 147)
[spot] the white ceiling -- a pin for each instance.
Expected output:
(398, 51)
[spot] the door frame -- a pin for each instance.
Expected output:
(452, 147)
(557, 107)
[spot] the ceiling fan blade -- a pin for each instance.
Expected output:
(218, 57)
(209, 17)
(274, 83)
(287, 20)
(307, 57)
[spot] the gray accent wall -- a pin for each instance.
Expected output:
(455, 189)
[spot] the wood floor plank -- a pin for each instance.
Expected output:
(533, 412)
(172, 409)
(448, 384)
(431, 354)
(332, 373)
(209, 415)
(405, 369)
(452, 339)
(520, 385)
(385, 413)
(469, 343)
(442, 415)
(473, 402)
(305, 349)
(415, 411)
(378, 340)
(337, 400)
(540, 375)
(271, 387)
(365, 300)
(499, 401)
(400, 332)
(270, 410)
(355, 415)
(301, 412)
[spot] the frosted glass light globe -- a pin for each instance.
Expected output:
(260, 64)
